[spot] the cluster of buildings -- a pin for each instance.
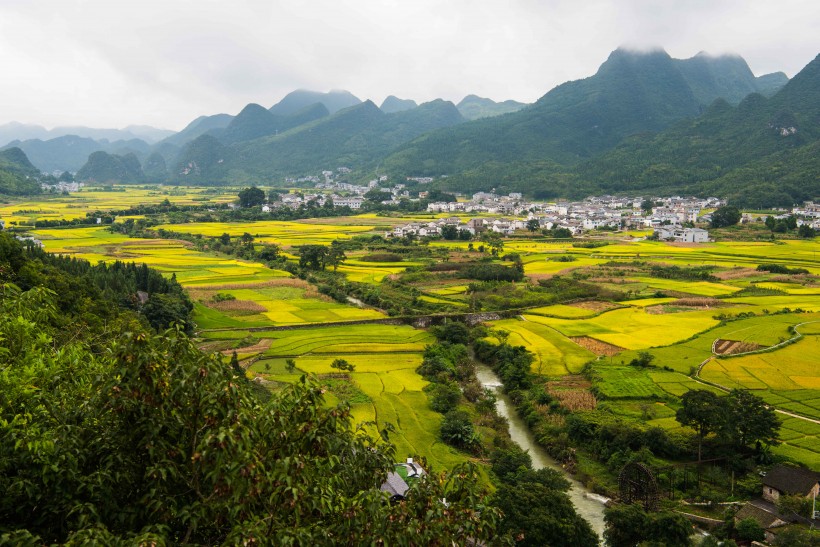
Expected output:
(473, 226)
(666, 215)
(63, 187)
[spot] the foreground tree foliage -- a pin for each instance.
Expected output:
(150, 440)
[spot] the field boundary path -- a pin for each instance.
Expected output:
(791, 340)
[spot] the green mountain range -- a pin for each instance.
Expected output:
(357, 137)
(764, 152)
(632, 92)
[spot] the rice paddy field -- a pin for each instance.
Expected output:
(284, 233)
(658, 316)
(77, 204)
(385, 387)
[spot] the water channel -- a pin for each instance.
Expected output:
(588, 504)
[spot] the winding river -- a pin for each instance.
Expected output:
(588, 504)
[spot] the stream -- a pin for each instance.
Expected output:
(588, 504)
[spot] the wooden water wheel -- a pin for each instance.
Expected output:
(637, 484)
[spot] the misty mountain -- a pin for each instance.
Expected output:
(155, 168)
(201, 161)
(473, 107)
(769, 84)
(255, 121)
(14, 131)
(354, 137)
(17, 174)
(763, 152)
(393, 104)
(199, 126)
(104, 167)
(295, 101)
(632, 93)
(70, 152)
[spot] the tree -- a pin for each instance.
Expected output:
(701, 410)
(770, 222)
(493, 241)
(269, 252)
(630, 525)
(643, 360)
(454, 332)
(444, 397)
(273, 195)
(626, 525)
(533, 225)
(509, 461)
(748, 420)
(806, 232)
(290, 365)
(449, 232)
(225, 238)
(335, 255)
(749, 530)
(341, 364)
(537, 515)
(725, 216)
(313, 257)
(457, 430)
(252, 196)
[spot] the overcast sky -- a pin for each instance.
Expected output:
(111, 63)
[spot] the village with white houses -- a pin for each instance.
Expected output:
(672, 218)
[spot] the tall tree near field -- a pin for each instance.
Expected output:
(702, 411)
(749, 420)
(725, 216)
(251, 196)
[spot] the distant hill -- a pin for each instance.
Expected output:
(473, 107)
(761, 153)
(393, 104)
(17, 174)
(354, 137)
(201, 161)
(255, 121)
(769, 84)
(297, 100)
(14, 131)
(105, 167)
(199, 126)
(70, 152)
(631, 93)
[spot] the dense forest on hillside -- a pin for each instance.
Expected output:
(17, 174)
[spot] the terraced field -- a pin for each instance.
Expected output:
(555, 355)
(385, 359)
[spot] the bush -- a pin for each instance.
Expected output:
(444, 397)
(457, 430)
